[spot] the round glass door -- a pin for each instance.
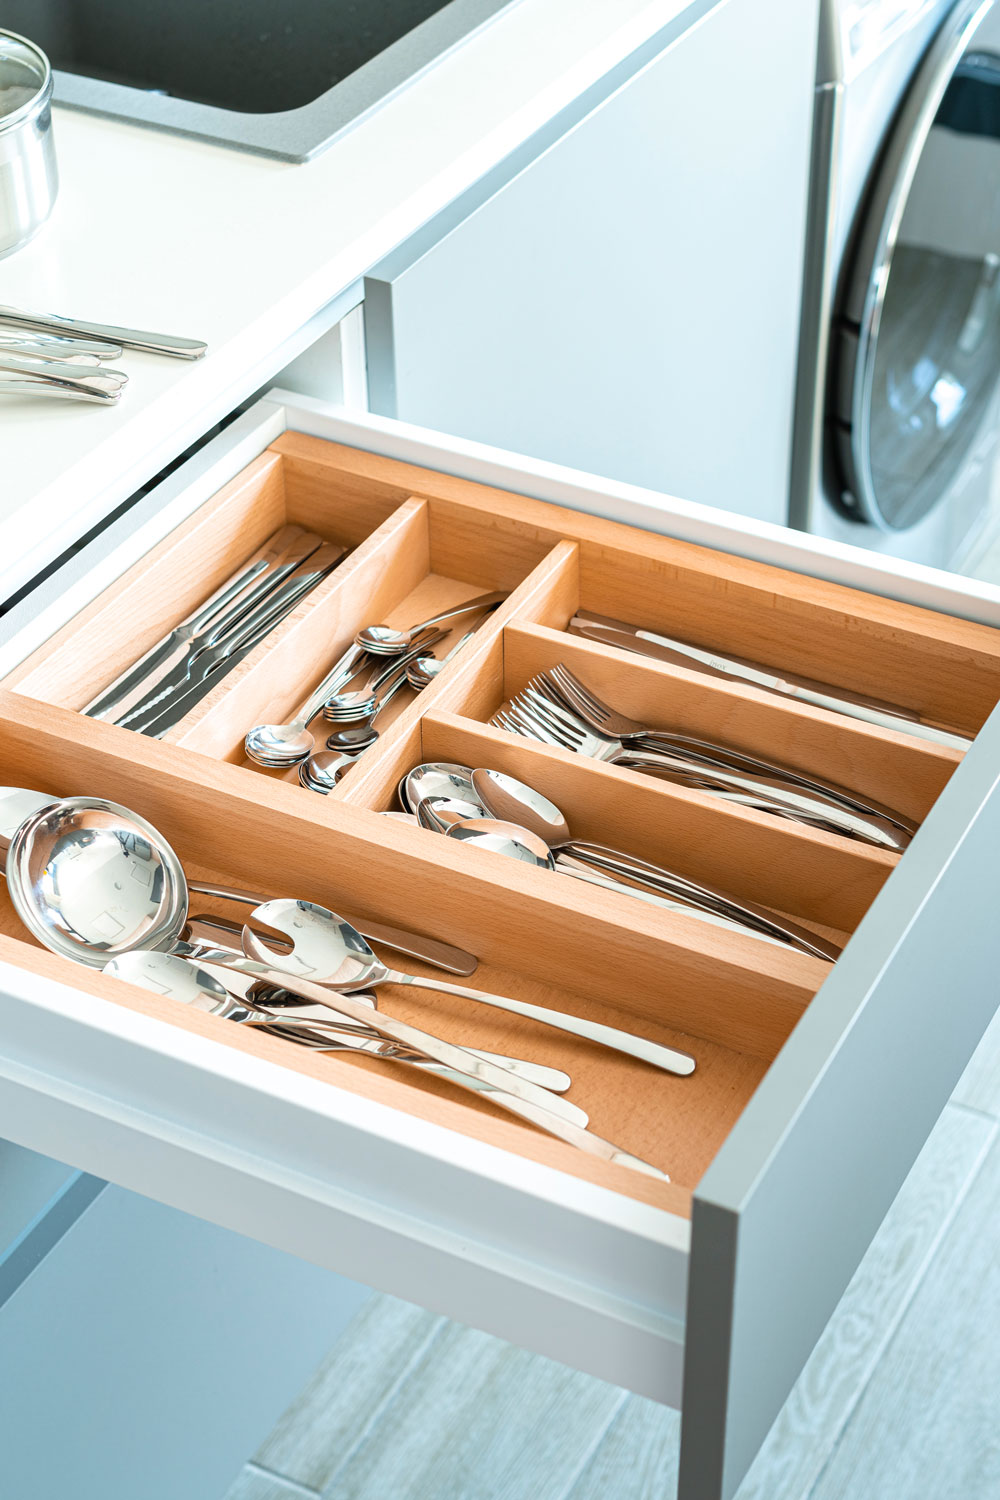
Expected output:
(925, 337)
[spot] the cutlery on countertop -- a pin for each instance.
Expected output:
(611, 632)
(57, 347)
(128, 338)
(558, 709)
(35, 377)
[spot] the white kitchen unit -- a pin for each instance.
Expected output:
(622, 293)
(716, 1313)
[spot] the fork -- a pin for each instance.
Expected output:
(606, 720)
(540, 713)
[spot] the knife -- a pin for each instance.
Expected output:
(210, 666)
(129, 691)
(291, 548)
(610, 632)
(129, 338)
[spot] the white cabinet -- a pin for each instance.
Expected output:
(622, 294)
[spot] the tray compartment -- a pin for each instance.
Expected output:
(897, 770)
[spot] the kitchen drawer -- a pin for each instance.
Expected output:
(815, 1087)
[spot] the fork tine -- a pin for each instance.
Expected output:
(519, 720)
(541, 728)
(563, 723)
(579, 695)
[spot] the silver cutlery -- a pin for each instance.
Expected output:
(440, 782)
(181, 979)
(383, 640)
(349, 707)
(211, 664)
(332, 949)
(129, 338)
(515, 1095)
(321, 771)
(162, 655)
(543, 712)
(505, 797)
(282, 554)
(429, 950)
(712, 663)
(67, 351)
(422, 670)
(30, 377)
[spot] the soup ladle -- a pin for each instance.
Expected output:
(328, 948)
(123, 835)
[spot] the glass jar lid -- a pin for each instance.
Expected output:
(25, 78)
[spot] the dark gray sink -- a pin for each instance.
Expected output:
(280, 77)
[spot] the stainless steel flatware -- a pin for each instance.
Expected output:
(204, 670)
(712, 663)
(383, 640)
(334, 952)
(182, 979)
(515, 1095)
(507, 798)
(422, 670)
(428, 950)
(546, 711)
(352, 705)
(129, 338)
(282, 554)
(32, 377)
(52, 347)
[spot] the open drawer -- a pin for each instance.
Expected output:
(815, 1085)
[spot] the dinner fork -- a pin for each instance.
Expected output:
(601, 717)
(540, 714)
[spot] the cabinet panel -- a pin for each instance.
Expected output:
(625, 299)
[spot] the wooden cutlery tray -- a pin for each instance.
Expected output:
(419, 540)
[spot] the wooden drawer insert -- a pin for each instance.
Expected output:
(422, 539)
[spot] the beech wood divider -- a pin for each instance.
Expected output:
(418, 541)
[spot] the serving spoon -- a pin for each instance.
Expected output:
(327, 948)
(92, 891)
(183, 979)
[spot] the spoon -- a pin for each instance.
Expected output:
(504, 838)
(383, 640)
(440, 814)
(327, 948)
(441, 781)
(353, 738)
(182, 979)
(507, 798)
(422, 670)
(17, 805)
(361, 703)
(323, 769)
(284, 745)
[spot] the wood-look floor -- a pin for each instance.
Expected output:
(900, 1400)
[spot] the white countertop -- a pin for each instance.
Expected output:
(155, 231)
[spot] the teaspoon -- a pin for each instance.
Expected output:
(383, 640)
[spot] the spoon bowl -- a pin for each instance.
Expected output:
(275, 745)
(323, 769)
(513, 801)
(504, 838)
(442, 781)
